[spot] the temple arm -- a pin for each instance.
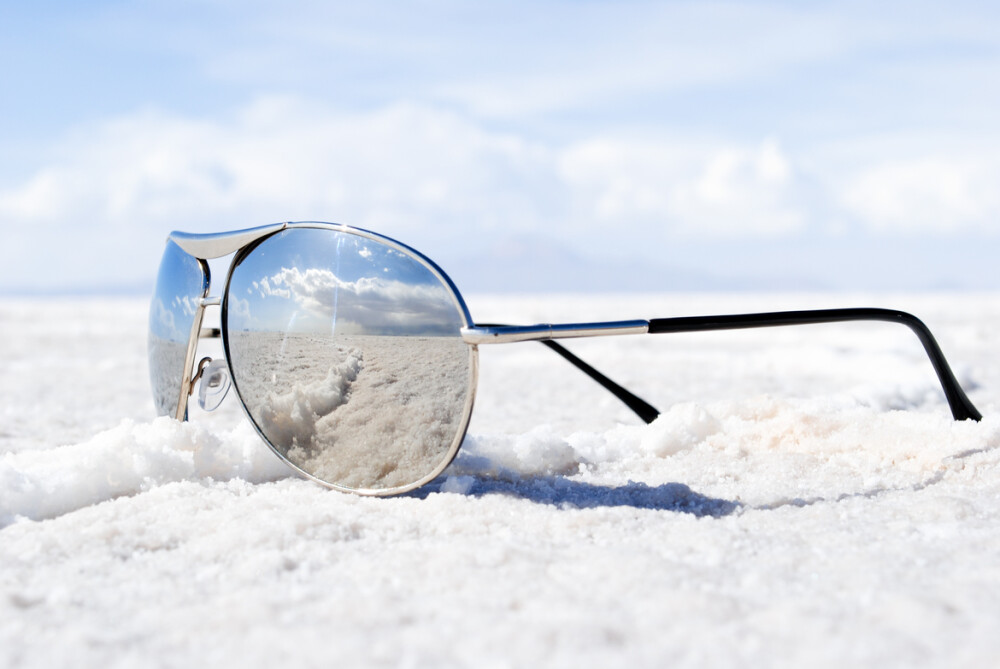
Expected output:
(646, 411)
(961, 407)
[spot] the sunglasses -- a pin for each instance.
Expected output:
(355, 357)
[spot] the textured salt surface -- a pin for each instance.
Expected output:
(360, 411)
(804, 500)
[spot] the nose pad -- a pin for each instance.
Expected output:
(214, 385)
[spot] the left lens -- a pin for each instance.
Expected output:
(180, 285)
(346, 351)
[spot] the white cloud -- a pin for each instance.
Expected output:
(400, 168)
(691, 188)
(368, 304)
(280, 159)
(163, 321)
(239, 310)
(420, 173)
(937, 194)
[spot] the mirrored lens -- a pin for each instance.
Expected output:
(347, 354)
(181, 283)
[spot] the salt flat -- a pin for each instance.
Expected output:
(804, 500)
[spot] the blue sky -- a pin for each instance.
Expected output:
(554, 144)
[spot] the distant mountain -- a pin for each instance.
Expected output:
(530, 264)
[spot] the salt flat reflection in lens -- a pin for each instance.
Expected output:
(348, 356)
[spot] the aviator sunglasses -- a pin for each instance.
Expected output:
(355, 357)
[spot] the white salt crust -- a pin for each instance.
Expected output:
(803, 500)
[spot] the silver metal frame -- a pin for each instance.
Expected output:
(192, 347)
(506, 334)
(218, 245)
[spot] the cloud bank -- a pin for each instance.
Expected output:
(368, 305)
(419, 172)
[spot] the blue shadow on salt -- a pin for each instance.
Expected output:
(565, 493)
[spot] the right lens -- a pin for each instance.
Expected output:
(347, 354)
(181, 284)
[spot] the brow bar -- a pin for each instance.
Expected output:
(961, 407)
